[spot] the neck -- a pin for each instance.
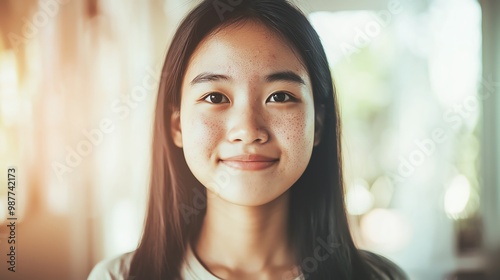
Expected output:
(245, 238)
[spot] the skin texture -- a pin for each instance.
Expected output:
(243, 235)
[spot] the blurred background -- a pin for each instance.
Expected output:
(418, 84)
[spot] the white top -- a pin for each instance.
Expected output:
(118, 269)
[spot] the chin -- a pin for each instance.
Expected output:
(249, 196)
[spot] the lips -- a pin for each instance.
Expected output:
(249, 162)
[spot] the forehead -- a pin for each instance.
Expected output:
(246, 48)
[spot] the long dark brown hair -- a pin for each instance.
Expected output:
(318, 228)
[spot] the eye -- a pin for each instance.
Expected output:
(216, 98)
(280, 97)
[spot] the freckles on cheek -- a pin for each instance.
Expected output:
(204, 131)
(294, 132)
(293, 129)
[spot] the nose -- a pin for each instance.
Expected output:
(248, 127)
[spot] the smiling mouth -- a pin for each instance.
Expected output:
(249, 165)
(249, 161)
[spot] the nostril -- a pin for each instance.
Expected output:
(248, 135)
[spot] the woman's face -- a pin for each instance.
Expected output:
(246, 121)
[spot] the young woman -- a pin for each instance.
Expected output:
(246, 176)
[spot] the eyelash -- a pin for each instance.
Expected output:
(290, 97)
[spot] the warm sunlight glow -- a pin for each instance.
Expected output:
(8, 88)
(385, 229)
(3, 209)
(359, 200)
(457, 196)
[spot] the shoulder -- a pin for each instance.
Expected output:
(116, 268)
(383, 268)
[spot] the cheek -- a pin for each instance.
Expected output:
(295, 132)
(201, 132)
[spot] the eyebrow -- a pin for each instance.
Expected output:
(208, 77)
(286, 76)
